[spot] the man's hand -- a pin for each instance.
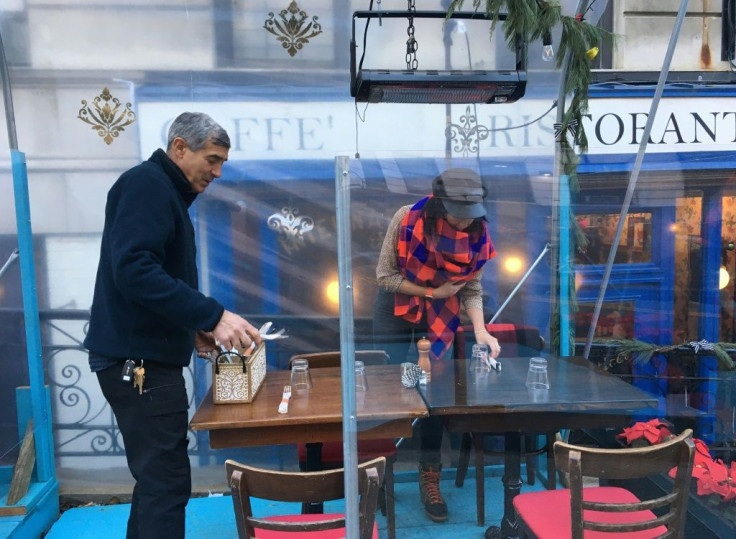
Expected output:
(204, 342)
(233, 331)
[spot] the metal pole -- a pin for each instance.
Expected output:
(635, 171)
(8, 99)
(521, 282)
(9, 261)
(558, 258)
(347, 345)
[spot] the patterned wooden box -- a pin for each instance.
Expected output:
(237, 378)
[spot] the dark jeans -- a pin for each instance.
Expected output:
(154, 429)
(396, 335)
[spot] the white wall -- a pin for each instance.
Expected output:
(644, 30)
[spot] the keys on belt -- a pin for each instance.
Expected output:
(134, 372)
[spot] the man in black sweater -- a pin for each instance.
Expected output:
(147, 313)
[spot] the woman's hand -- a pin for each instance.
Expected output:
(483, 337)
(448, 289)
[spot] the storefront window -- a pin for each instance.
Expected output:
(635, 245)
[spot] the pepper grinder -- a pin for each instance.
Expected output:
(424, 363)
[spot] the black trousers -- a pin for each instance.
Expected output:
(154, 429)
(396, 335)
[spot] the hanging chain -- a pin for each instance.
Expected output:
(411, 44)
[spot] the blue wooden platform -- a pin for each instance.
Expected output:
(213, 516)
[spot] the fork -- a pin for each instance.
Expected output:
(284, 406)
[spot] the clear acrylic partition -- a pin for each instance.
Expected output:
(267, 231)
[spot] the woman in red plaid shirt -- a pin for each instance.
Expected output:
(429, 269)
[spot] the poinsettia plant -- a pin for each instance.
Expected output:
(713, 478)
(643, 433)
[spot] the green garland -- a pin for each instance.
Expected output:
(532, 19)
(642, 352)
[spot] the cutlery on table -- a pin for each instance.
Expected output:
(284, 405)
(266, 333)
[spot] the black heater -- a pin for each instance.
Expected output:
(435, 86)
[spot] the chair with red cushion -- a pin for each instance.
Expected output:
(306, 487)
(516, 341)
(331, 454)
(609, 511)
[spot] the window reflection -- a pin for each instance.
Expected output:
(635, 245)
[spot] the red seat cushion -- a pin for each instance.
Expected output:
(547, 512)
(337, 533)
(367, 450)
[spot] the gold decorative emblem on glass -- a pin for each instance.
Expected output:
(292, 28)
(106, 116)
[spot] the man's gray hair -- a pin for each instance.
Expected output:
(197, 128)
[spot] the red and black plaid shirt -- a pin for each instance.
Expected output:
(431, 260)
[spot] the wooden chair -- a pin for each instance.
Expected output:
(576, 511)
(311, 487)
(367, 449)
(515, 341)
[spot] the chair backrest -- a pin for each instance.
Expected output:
(515, 341)
(629, 463)
(306, 487)
(318, 360)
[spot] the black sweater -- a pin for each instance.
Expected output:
(146, 304)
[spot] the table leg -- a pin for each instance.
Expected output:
(511, 487)
(313, 464)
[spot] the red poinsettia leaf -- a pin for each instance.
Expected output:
(701, 447)
(718, 471)
(652, 436)
(664, 435)
(722, 489)
(732, 473)
(700, 471)
(632, 433)
(705, 486)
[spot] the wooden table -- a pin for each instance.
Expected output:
(580, 396)
(386, 410)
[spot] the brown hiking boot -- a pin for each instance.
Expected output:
(429, 490)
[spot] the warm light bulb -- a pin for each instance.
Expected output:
(579, 282)
(548, 53)
(723, 278)
(333, 292)
(513, 264)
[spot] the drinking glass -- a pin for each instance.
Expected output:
(536, 377)
(481, 349)
(361, 381)
(301, 380)
(479, 359)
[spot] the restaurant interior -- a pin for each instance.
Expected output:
(602, 132)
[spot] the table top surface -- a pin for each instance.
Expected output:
(576, 385)
(385, 400)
